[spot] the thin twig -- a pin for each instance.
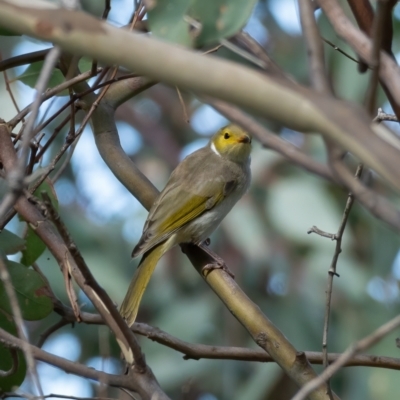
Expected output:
(199, 351)
(23, 59)
(98, 295)
(382, 116)
(53, 328)
(66, 162)
(16, 176)
(184, 109)
(56, 131)
(50, 93)
(383, 9)
(338, 49)
(8, 88)
(322, 233)
(315, 48)
(351, 351)
(332, 270)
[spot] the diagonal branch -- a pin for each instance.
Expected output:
(144, 380)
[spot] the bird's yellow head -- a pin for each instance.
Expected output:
(232, 143)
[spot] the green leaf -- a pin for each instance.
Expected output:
(220, 18)
(31, 74)
(6, 361)
(10, 243)
(85, 64)
(34, 247)
(47, 187)
(167, 21)
(7, 32)
(31, 292)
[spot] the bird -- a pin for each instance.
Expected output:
(200, 192)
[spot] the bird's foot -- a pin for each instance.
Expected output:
(207, 242)
(217, 265)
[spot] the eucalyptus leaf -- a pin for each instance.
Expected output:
(167, 20)
(31, 290)
(220, 18)
(31, 74)
(176, 20)
(10, 243)
(48, 187)
(6, 360)
(34, 248)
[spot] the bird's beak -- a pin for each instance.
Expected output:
(244, 139)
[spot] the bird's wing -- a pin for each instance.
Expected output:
(183, 199)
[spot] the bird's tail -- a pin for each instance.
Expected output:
(130, 305)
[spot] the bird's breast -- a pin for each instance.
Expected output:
(199, 229)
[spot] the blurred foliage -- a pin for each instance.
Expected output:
(264, 239)
(31, 74)
(219, 19)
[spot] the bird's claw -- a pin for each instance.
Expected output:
(217, 265)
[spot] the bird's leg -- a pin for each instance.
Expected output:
(218, 262)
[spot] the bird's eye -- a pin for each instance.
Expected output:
(227, 136)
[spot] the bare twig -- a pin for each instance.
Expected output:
(15, 177)
(23, 59)
(389, 70)
(198, 351)
(376, 204)
(332, 270)
(98, 295)
(185, 113)
(339, 50)
(314, 46)
(382, 116)
(357, 347)
(382, 11)
(52, 92)
(144, 384)
(319, 232)
(8, 88)
(44, 335)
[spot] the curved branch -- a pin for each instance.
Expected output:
(362, 45)
(377, 205)
(133, 381)
(294, 106)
